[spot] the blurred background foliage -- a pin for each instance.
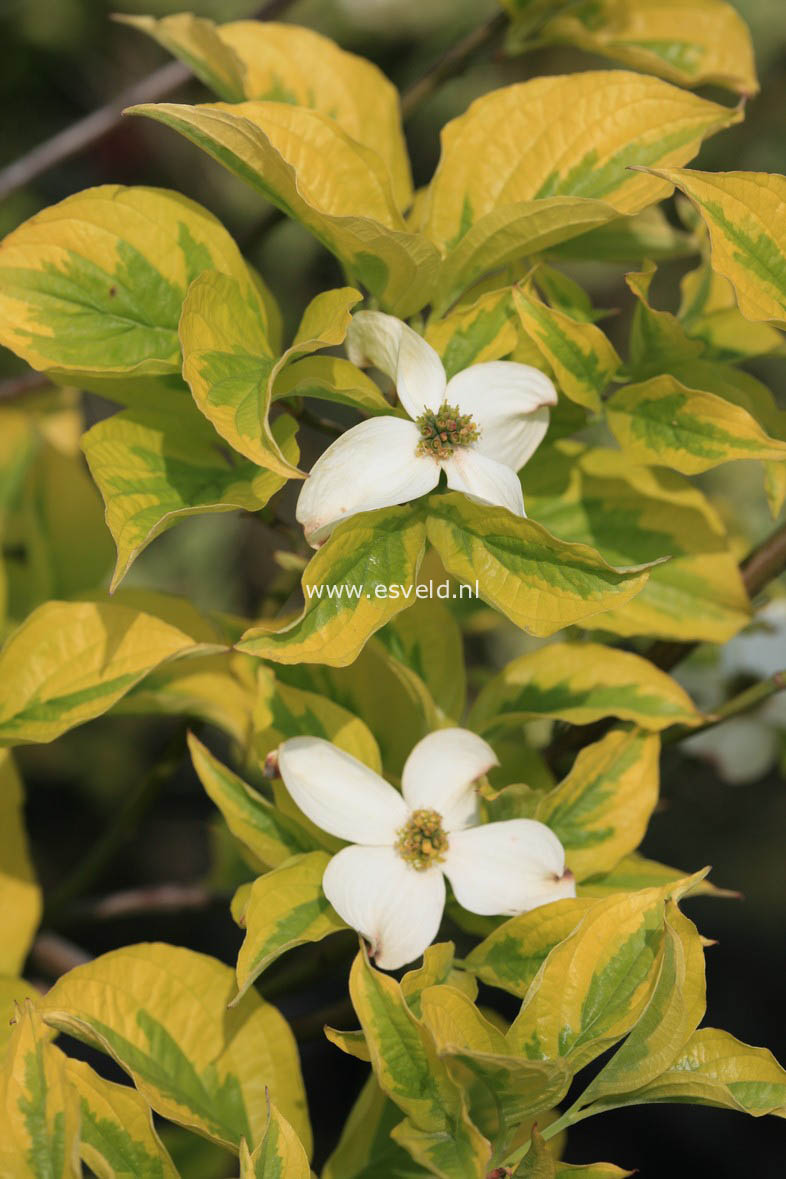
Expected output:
(61, 59)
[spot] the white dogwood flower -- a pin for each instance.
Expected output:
(480, 428)
(390, 884)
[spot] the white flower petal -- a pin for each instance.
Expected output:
(507, 867)
(395, 907)
(340, 794)
(484, 480)
(397, 350)
(440, 772)
(373, 465)
(509, 403)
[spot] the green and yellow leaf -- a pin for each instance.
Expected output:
(716, 1069)
(538, 581)
(71, 661)
(269, 835)
(228, 364)
(485, 330)
(580, 355)
(365, 1147)
(601, 810)
(428, 640)
(20, 895)
(330, 378)
(635, 872)
(340, 190)
(155, 468)
(511, 956)
(634, 514)
(690, 42)
(208, 687)
(117, 1138)
(282, 711)
(658, 340)
(674, 1012)
(391, 698)
(437, 1131)
(709, 312)
(666, 423)
(40, 1109)
(93, 286)
(486, 207)
(285, 908)
(473, 1047)
(280, 1154)
(744, 213)
(594, 986)
(196, 1063)
(346, 590)
(581, 683)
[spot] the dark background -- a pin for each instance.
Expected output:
(61, 58)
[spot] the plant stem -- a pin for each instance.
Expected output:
(451, 62)
(746, 701)
(120, 829)
(93, 127)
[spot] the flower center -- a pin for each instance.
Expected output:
(443, 431)
(421, 841)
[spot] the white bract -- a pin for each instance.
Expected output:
(480, 428)
(390, 885)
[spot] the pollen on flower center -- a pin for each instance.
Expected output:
(443, 431)
(421, 841)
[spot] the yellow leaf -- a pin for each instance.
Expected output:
(161, 1012)
(40, 1109)
(600, 811)
(288, 63)
(631, 513)
(20, 895)
(280, 1154)
(342, 609)
(313, 171)
(282, 711)
(285, 908)
(92, 286)
(666, 423)
(531, 165)
(745, 213)
(71, 661)
(581, 683)
(116, 1128)
(691, 42)
(228, 365)
(581, 357)
(296, 64)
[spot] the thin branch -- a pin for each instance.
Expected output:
(745, 702)
(157, 898)
(766, 562)
(452, 62)
(91, 129)
(86, 132)
(53, 955)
